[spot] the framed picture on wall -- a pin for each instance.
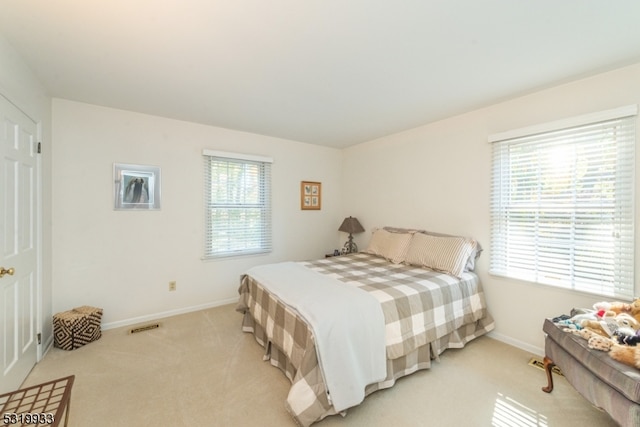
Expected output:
(310, 195)
(136, 187)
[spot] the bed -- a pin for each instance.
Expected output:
(426, 307)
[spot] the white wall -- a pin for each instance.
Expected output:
(122, 261)
(20, 86)
(437, 177)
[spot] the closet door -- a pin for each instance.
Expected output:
(18, 245)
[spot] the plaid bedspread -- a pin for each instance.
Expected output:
(425, 313)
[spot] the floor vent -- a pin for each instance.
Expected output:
(144, 328)
(537, 363)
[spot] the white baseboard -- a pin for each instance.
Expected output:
(48, 345)
(516, 343)
(155, 316)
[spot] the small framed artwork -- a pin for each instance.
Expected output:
(310, 195)
(136, 187)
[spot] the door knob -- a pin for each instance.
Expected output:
(4, 271)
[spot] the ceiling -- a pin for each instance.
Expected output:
(328, 72)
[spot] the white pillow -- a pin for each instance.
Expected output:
(446, 254)
(391, 246)
(471, 262)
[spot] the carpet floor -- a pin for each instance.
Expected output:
(200, 369)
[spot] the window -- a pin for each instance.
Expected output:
(562, 209)
(237, 204)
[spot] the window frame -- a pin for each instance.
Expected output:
(504, 255)
(240, 236)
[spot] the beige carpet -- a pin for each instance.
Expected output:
(199, 369)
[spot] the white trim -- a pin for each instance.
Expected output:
(47, 345)
(39, 251)
(616, 113)
(239, 156)
(538, 351)
(163, 314)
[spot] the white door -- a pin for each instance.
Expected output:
(18, 245)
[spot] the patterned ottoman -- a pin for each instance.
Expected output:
(77, 327)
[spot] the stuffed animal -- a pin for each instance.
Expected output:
(578, 315)
(634, 309)
(584, 333)
(608, 326)
(631, 340)
(594, 339)
(615, 307)
(626, 320)
(597, 342)
(626, 354)
(612, 327)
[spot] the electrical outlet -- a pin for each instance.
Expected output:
(172, 285)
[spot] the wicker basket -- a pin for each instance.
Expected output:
(77, 327)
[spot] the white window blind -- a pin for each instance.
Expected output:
(562, 207)
(237, 204)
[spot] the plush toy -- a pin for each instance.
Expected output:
(597, 342)
(626, 354)
(634, 309)
(577, 311)
(566, 323)
(599, 327)
(594, 339)
(631, 340)
(608, 326)
(612, 327)
(577, 317)
(626, 320)
(584, 333)
(615, 307)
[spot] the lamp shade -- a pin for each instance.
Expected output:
(351, 225)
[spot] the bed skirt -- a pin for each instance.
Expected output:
(425, 313)
(311, 382)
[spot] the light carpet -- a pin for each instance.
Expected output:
(200, 369)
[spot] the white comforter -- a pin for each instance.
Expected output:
(347, 322)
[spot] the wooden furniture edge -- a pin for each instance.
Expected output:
(548, 366)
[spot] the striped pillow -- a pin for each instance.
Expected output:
(391, 246)
(446, 254)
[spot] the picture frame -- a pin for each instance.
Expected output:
(136, 187)
(310, 195)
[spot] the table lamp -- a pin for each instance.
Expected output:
(350, 225)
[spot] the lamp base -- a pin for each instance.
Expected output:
(350, 246)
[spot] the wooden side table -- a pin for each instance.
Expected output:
(42, 404)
